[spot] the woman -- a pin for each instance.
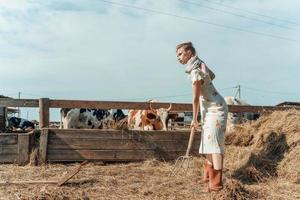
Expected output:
(213, 110)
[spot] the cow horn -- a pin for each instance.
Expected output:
(169, 107)
(152, 109)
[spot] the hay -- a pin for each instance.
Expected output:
(34, 157)
(274, 142)
(289, 167)
(151, 163)
(234, 190)
(261, 163)
(121, 124)
(242, 136)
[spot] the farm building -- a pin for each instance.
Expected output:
(4, 111)
(288, 103)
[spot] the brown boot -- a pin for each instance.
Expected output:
(215, 180)
(207, 168)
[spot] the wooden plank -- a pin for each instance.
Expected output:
(8, 158)
(241, 109)
(43, 145)
(4, 102)
(21, 182)
(116, 105)
(55, 103)
(44, 104)
(112, 155)
(128, 144)
(71, 174)
(23, 149)
(8, 139)
(33, 138)
(119, 134)
(39, 182)
(8, 149)
(145, 105)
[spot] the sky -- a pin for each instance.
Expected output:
(124, 50)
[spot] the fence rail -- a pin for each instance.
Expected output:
(44, 104)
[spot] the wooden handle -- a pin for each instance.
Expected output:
(71, 174)
(190, 141)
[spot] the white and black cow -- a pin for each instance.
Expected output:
(16, 123)
(89, 118)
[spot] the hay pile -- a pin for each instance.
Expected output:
(274, 141)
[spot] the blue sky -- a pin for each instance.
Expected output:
(125, 50)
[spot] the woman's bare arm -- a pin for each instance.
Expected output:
(196, 90)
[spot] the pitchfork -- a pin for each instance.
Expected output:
(183, 162)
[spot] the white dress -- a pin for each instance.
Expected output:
(213, 109)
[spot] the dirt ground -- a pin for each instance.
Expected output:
(261, 162)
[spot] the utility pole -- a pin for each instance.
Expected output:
(238, 92)
(19, 111)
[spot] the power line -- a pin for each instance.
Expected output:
(253, 13)
(271, 92)
(172, 96)
(237, 15)
(200, 21)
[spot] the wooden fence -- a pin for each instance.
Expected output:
(15, 147)
(65, 145)
(45, 104)
(110, 145)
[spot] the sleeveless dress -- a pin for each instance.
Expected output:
(213, 109)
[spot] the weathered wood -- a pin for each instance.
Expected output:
(117, 105)
(8, 158)
(117, 144)
(119, 134)
(19, 182)
(241, 109)
(44, 104)
(23, 149)
(55, 103)
(8, 138)
(113, 155)
(4, 102)
(8, 149)
(71, 174)
(145, 105)
(43, 145)
(26, 182)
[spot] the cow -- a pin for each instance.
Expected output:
(153, 119)
(17, 123)
(89, 118)
(238, 118)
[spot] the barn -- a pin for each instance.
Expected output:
(4, 111)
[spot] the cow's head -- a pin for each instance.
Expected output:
(161, 115)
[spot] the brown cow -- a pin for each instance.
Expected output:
(153, 119)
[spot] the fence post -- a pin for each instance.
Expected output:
(44, 104)
(43, 146)
(23, 149)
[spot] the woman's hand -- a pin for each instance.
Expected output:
(194, 123)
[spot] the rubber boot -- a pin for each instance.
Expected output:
(215, 180)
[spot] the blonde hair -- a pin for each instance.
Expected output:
(187, 46)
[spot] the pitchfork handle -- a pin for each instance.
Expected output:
(190, 141)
